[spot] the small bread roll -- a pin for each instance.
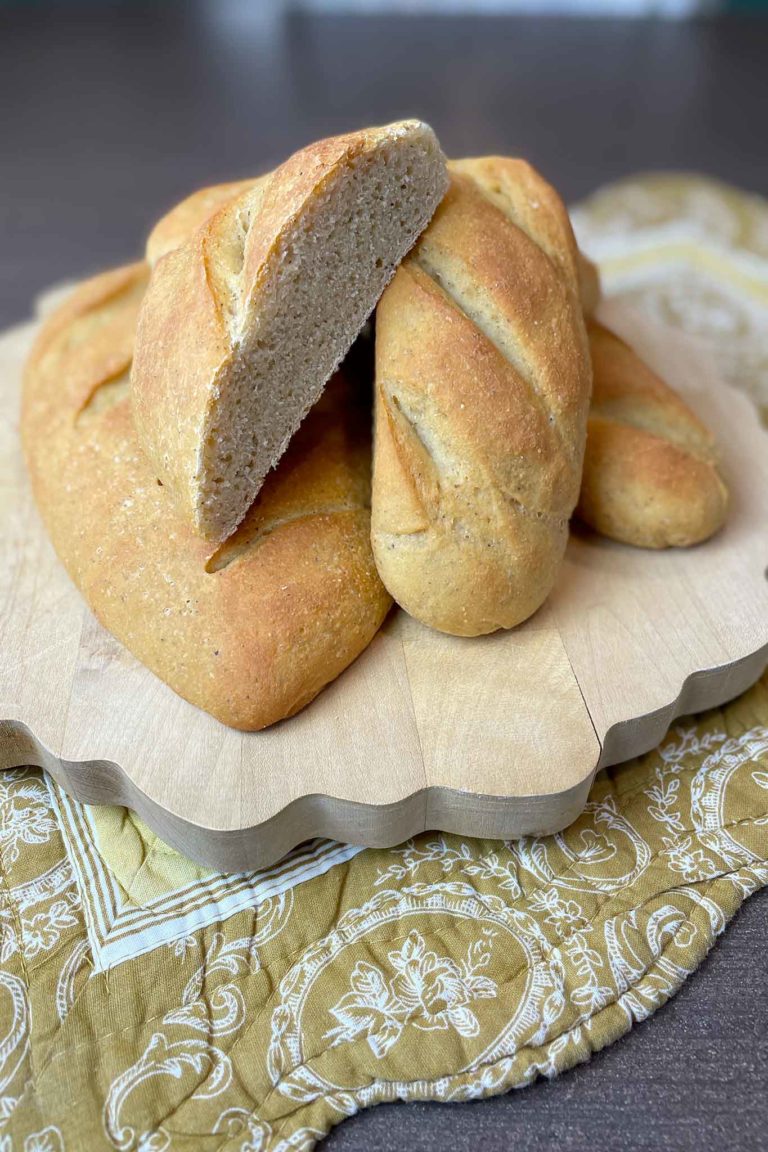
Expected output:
(650, 471)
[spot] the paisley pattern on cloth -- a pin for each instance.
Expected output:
(148, 1004)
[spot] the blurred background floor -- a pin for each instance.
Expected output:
(109, 113)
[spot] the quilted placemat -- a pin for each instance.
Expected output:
(149, 1004)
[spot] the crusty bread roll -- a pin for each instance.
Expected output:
(650, 472)
(482, 391)
(243, 324)
(650, 465)
(251, 630)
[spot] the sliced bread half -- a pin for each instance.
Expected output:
(245, 321)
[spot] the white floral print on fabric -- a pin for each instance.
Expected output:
(427, 991)
(25, 815)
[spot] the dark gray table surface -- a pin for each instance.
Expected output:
(110, 112)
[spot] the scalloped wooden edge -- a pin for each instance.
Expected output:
(537, 699)
(318, 815)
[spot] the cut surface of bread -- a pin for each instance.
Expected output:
(650, 466)
(244, 323)
(482, 391)
(250, 631)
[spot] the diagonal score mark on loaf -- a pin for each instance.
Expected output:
(491, 326)
(438, 466)
(515, 203)
(224, 258)
(418, 451)
(83, 318)
(508, 331)
(92, 333)
(105, 395)
(653, 423)
(499, 198)
(492, 482)
(85, 349)
(247, 539)
(659, 434)
(628, 393)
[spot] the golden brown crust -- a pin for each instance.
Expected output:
(250, 631)
(186, 217)
(650, 473)
(482, 389)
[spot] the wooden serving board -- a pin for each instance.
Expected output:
(498, 736)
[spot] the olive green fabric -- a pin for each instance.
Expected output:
(147, 1003)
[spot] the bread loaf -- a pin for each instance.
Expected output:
(253, 629)
(482, 391)
(243, 324)
(650, 472)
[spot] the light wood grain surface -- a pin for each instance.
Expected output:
(498, 736)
